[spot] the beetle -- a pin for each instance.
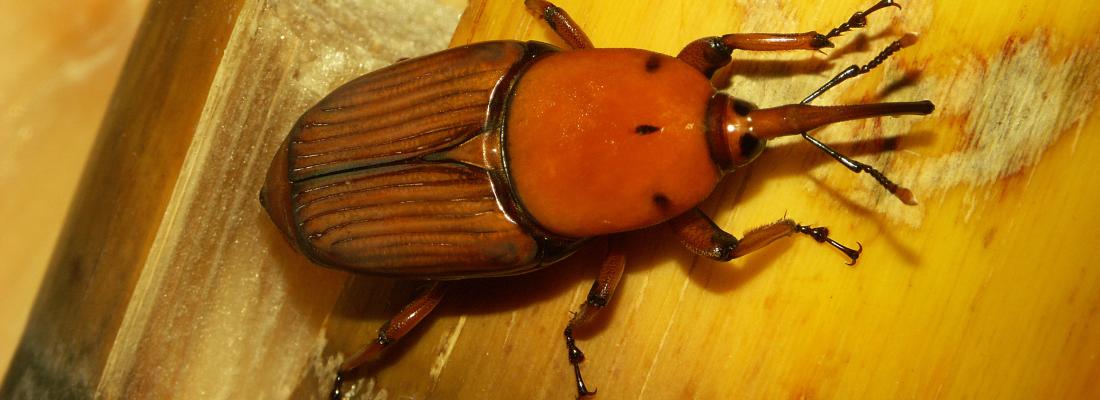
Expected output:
(502, 157)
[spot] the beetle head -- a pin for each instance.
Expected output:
(737, 131)
(733, 144)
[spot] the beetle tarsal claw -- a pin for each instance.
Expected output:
(582, 390)
(821, 235)
(859, 19)
(880, 5)
(855, 255)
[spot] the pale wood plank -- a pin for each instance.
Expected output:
(53, 95)
(161, 280)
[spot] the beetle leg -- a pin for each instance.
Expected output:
(560, 22)
(703, 237)
(602, 290)
(392, 331)
(711, 53)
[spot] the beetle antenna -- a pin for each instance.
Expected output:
(854, 70)
(902, 193)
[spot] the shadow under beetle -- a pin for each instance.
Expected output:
(500, 158)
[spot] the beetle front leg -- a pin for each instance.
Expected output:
(561, 23)
(392, 331)
(711, 53)
(703, 237)
(598, 297)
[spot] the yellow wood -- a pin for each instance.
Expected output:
(53, 91)
(987, 289)
(67, 339)
(169, 281)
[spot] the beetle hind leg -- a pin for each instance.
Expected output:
(598, 297)
(391, 331)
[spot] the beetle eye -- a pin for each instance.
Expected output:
(751, 147)
(742, 107)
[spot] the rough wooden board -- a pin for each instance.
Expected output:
(67, 339)
(69, 57)
(163, 286)
(985, 290)
(238, 300)
(318, 47)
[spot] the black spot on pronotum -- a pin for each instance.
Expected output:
(661, 201)
(750, 145)
(653, 63)
(646, 129)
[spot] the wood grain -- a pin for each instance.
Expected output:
(53, 94)
(134, 306)
(87, 282)
(984, 290)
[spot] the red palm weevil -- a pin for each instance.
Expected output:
(502, 157)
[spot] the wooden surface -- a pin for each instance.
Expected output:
(69, 58)
(986, 289)
(68, 337)
(127, 307)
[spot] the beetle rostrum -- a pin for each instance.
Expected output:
(500, 158)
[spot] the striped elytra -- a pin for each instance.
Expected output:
(386, 174)
(409, 109)
(414, 218)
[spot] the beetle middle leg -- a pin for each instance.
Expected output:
(703, 237)
(392, 331)
(561, 23)
(711, 53)
(598, 297)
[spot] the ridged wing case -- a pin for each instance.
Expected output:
(351, 186)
